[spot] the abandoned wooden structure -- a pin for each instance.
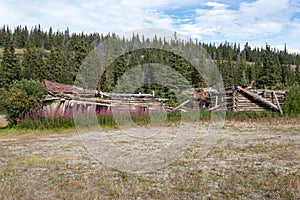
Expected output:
(62, 96)
(241, 99)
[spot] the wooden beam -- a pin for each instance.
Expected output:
(182, 104)
(283, 92)
(257, 97)
(234, 98)
(215, 108)
(278, 104)
(121, 95)
(216, 101)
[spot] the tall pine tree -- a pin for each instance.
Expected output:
(56, 66)
(33, 64)
(9, 70)
(297, 75)
(270, 74)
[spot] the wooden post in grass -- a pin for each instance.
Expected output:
(278, 104)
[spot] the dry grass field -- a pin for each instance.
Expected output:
(252, 160)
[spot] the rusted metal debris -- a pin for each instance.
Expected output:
(201, 94)
(60, 88)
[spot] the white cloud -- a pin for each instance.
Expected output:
(250, 20)
(101, 16)
(216, 5)
(258, 21)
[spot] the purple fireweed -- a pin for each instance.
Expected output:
(48, 114)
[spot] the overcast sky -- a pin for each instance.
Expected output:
(258, 22)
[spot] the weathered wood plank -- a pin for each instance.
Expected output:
(121, 95)
(257, 97)
(182, 104)
(278, 104)
(215, 108)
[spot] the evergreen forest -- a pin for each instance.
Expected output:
(36, 54)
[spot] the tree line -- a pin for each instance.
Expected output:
(58, 55)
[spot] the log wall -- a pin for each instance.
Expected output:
(236, 100)
(58, 104)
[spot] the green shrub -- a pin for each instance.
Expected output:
(22, 97)
(3, 94)
(291, 106)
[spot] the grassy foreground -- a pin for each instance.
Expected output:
(254, 159)
(38, 121)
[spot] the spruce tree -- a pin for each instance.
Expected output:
(227, 72)
(80, 52)
(297, 75)
(10, 69)
(55, 67)
(286, 73)
(241, 74)
(251, 74)
(33, 64)
(270, 74)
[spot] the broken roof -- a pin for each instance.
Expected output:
(58, 88)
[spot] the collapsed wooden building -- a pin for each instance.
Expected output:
(62, 96)
(238, 99)
(243, 99)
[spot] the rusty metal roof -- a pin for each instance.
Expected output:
(58, 88)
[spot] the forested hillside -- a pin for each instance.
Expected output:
(33, 53)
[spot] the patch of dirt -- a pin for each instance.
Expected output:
(3, 121)
(251, 160)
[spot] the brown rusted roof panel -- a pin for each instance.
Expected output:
(58, 88)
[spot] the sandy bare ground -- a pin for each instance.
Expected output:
(252, 160)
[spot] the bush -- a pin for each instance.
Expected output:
(291, 106)
(22, 97)
(3, 94)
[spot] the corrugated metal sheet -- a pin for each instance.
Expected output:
(58, 88)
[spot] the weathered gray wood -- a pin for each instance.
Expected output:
(257, 97)
(282, 92)
(252, 110)
(215, 108)
(182, 104)
(125, 95)
(234, 100)
(278, 104)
